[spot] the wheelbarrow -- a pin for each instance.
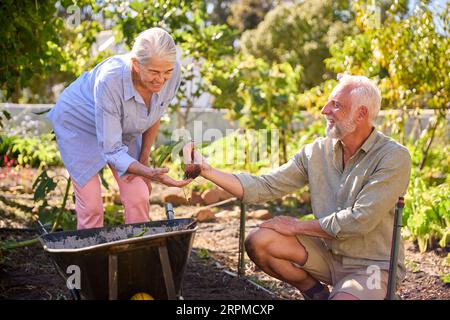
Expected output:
(118, 262)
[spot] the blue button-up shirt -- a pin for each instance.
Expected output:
(100, 118)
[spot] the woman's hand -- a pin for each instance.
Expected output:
(147, 181)
(168, 181)
(159, 174)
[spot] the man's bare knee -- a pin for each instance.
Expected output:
(256, 243)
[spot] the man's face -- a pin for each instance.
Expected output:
(154, 73)
(339, 114)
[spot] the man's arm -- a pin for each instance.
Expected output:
(252, 189)
(291, 226)
(224, 180)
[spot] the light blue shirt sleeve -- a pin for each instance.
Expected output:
(109, 128)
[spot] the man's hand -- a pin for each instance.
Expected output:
(198, 158)
(285, 225)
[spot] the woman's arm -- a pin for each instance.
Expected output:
(148, 138)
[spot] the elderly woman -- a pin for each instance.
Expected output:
(111, 115)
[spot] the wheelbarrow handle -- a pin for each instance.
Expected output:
(41, 228)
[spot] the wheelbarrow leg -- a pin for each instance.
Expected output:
(112, 276)
(167, 271)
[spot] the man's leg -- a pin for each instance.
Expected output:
(359, 284)
(88, 204)
(135, 197)
(344, 296)
(274, 253)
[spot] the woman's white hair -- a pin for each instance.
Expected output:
(363, 92)
(154, 42)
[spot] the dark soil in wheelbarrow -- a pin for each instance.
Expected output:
(29, 274)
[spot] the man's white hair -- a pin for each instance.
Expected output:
(154, 42)
(363, 92)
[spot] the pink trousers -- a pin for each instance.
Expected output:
(89, 205)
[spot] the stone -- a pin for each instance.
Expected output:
(261, 214)
(228, 214)
(205, 215)
(211, 196)
(196, 199)
(215, 195)
(175, 199)
(224, 195)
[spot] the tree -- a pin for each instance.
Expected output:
(409, 56)
(203, 44)
(39, 50)
(301, 34)
(247, 14)
(219, 11)
(258, 94)
(28, 41)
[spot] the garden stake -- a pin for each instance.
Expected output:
(241, 262)
(392, 280)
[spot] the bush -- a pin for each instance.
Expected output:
(40, 151)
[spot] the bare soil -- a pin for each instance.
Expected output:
(27, 273)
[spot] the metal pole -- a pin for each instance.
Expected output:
(241, 261)
(169, 211)
(393, 265)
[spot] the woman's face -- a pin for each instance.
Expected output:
(154, 73)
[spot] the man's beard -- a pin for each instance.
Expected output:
(341, 129)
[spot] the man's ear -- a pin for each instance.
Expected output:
(363, 113)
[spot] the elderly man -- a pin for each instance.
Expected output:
(355, 176)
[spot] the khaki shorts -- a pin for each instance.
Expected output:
(326, 267)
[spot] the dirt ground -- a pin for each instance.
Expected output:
(27, 273)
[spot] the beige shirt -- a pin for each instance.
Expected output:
(355, 204)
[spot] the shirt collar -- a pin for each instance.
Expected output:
(128, 89)
(370, 141)
(366, 146)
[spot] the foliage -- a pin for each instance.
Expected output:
(427, 213)
(247, 14)
(408, 56)
(36, 152)
(427, 210)
(38, 49)
(301, 34)
(258, 94)
(202, 43)
(4, 115)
